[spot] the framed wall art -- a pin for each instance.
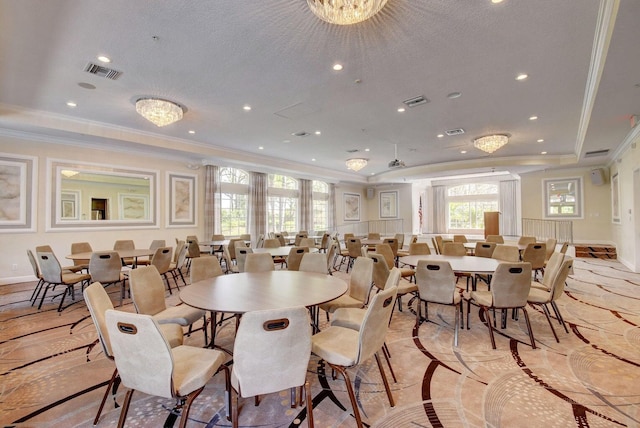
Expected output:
(615, 199)
(133, 207)
(389, 204)
(351, 206)
(18, 193)
(182, 200)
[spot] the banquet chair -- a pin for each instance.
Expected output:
(564, 248)
(347, 236)
(458, 249)
(54, 275)
(400, 238)
(306, 242)
(155, 244)
(278, 237)
(258, 262)
(359, 287)
(147, 293)
(332, 255)
(484, 249)
(419, 249)
(460, 238)
(181, 372)
(105, 267)
(37, 274)
(125, 244)
(386, 252)
(510, 287)
(260, 241)
(205, 268)
(295, 257)
(342, 347)
(246, 237)
(504, 253)
(180, 256)
(393, 244)
(69, 268)
(354, 248)
(538, 296)
(535, 254)
(343, 253)
(439, 244)
(434, 244)
(161, 259)
(380, 270)
(98, 302)
(233, 244)
(325, 242)
(275, 243)
(373, 235)
(401, 250)
(498, 239)
(271, 353)
(551, 248)
(241, 256)
(299, 237)
(526, 240)
(81, 247)
(314, 262)
(230, 266)
(437, 284)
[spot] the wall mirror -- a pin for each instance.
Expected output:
(83, 195)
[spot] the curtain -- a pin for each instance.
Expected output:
(439, 209)
(306, 204)
(331, 223)
(509, 207)
(211, 180)
(257, 204)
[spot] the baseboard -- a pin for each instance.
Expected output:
(17, 279)
(629, 265)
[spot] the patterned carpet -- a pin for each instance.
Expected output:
(53, 372)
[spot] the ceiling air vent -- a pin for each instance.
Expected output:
(101, 71)
(413, 102)
(301, 134)
(596, 153)
(452, 132)
(353, 151)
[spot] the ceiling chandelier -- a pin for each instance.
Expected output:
(356, 164)
(345, 12)
(491, 143)
(159, 112)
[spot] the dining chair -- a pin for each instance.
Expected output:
(54, 275)
(498, 239)
(325, 242)
(439, 244)
(373, 235)
(503, 253)
(278, 237)
(342, 348)
(551, 248)
(437, 284)
(98, 302)
(454, 249)
(148, 295)
(460, 238)
(359, 287)
(535, 253)
(105, 267)
(81, 247)
(125, 244)
(295, 257)
(161, 259)
(180, 373)
(526, 240)
(306, 242)
(230, 266)
(260, 241)
(380, 270)
(484, 249)
(354, 248)
(37, 274)
(241, 256)
(564, 247)
(259, 262)
(299, 237)
(68, 268)
(394, 245)
(347, 236)
(419, 249)
(401, 250)
(271, 353)
(314, 262)
(510, 286)
(332, 255)
(205, 268)
(154, 245)
(175, 268)
(386, 252)
(343, 253)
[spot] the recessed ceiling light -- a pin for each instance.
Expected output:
(522, 76)
(191, 131)
(533, 118)
(71, 104)
(86, 85)
(454, 95)
(540, 140)
(463, 151)
(373, 173)
(247, 107)
(260, 148)
(543, 153)
(318, 132)
(440, 135)
(401, 110)
(103, 58)
(367, 150)
(337, 67)
(496, 1)
(313, 159)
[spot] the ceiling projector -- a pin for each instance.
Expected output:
(396, 164)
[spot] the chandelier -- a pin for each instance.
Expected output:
(345, 12)
(491, 143)
(356, 164)
(69, 173)
(159, 112)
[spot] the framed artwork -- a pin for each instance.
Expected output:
(133, 207)
(615, 199)
(389, 204)
(18, 193)
(182, 199)
(351, 206)
(69, 205)
(563, 198)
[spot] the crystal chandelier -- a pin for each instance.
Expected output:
(491, 143)
(159, 112)
(356, 164)
(345, 12)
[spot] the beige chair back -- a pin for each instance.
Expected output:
(295, 257)
(454, 249)
(162, 259)
(510, 285)
(551, 247)
(393, 279)
(325, 242)
(124, 244)
(485, 249)
(460, 238)
(217, 237)
(49, 267)
(279, 237)
(498, 239)
(233, 245)
(80, 247)
(227, 260)
(260, 241)
(314, 262)
(246, 237)
(354, 246)
(105, 267)
(380, 270)
(564, 248)
(299, 237)
(373, 235)
(535, 254)
(436, 281)
(506, 253)
(258, 262)
(557, 287)
(348, 236)
(180, 256)
(439, 244)
(147, 290)
(34, 264)
(306, 242)
(419, 249)
(157, 243)
(434, 243)
(332, 252)
(241, 257)
(375, 323)
(204, 268)
(526, 240)
(98, 302)
(360, 279)
(192, 238)
(393, 244)
(385, 251)
(274, 243)
(193, 249)
(400, 238)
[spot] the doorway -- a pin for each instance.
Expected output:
(99, 209)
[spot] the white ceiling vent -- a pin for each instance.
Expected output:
(413, 102)
(101, 71)
(451, 132)
(596, 153)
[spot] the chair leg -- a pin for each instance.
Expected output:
(125, 408)
(36, 291)
(456, 326)
(384, 380)
(204, 329)
(488, 321)
(559, 316)
(185, 410)
(387, 356)
(106, 394)
(526, 317)
(44, 294)
(234, 405)
(309, 400)
(546, 314)
(352, 396)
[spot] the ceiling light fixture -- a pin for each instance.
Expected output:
(356, 164)
(337, 67)
(69, 173)
(491, 143)
(159, 112)
(345, 12)
(522, 76)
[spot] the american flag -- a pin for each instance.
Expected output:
(420, 213)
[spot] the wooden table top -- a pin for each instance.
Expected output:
(458, 263)
(138, 252)
(253, 291)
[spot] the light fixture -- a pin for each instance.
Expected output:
(345, 12)
(491, 143)
(69, 173)
(159, 112)
(356, 164)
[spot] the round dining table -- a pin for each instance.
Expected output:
(255, 291)
(459, 264)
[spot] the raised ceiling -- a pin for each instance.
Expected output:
(215, 57)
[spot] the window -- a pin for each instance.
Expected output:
(320, 205)
(563, 198)
(232, 201)
(282, 203)
(466, 206)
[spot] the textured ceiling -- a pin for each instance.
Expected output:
(213, 57)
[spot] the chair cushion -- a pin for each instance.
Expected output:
(172, 333)
(483, 298)
(407, 287)
(181, 314)
(344, 301)
(405, 272)
(537, 295)
(336, 345)
(348, 318)
(193, 367)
